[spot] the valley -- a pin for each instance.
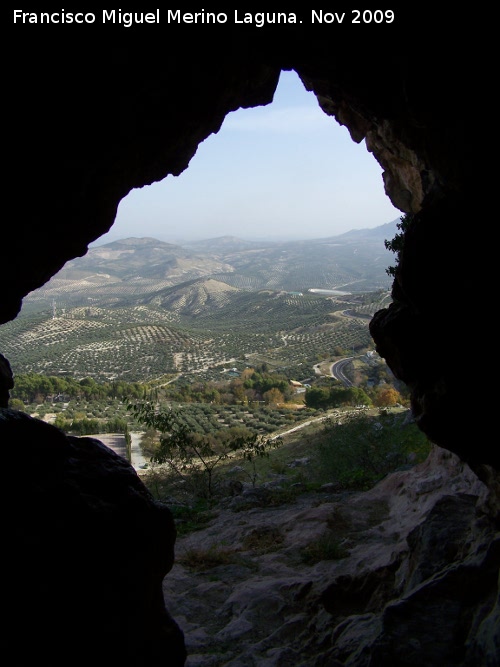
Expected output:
(145, 310)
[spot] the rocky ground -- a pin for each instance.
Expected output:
(327, 578)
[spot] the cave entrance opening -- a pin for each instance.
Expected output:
(280, 172)
(284, 172)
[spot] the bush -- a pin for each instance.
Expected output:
(326, 547)
(191, 518)
(360, 450)
(206, 558)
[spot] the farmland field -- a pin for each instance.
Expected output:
(141, 343)
(140, 310)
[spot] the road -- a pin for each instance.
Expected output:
(301, 425)
(337, 371)
(138, 460)
(116, 442)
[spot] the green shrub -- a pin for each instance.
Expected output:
(326, 547)
(200, 559)
(264, 539)
(360, 450)
(189, 518)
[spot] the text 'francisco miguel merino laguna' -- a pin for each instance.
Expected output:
(128, 19)
(257, 19)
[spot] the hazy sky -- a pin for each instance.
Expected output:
(283, 171)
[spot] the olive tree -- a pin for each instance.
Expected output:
(193, 456)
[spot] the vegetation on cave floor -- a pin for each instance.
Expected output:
(346, 451)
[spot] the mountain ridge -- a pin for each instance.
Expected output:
(139, 269)
(141, 308)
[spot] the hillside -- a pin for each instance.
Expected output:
(128, 271)
(135, 258)
(138, 309)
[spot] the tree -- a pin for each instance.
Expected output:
(150, 441)
(317, 397)
(246, 374)
(16, 404)
(273, 396)
(396, 245)
(386, 396)
(192, 456)
(62, 423)
(238, 390)
(357, 396)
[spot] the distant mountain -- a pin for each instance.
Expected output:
(225, 244)
(206, 274)
(380, 233)
(140, 308)
(141, 257)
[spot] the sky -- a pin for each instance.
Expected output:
(285, 171)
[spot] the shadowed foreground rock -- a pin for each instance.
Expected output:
(87, 550)
(413, 580)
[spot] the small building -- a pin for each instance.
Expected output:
(297, 386)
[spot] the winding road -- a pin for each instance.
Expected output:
(337, 371)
